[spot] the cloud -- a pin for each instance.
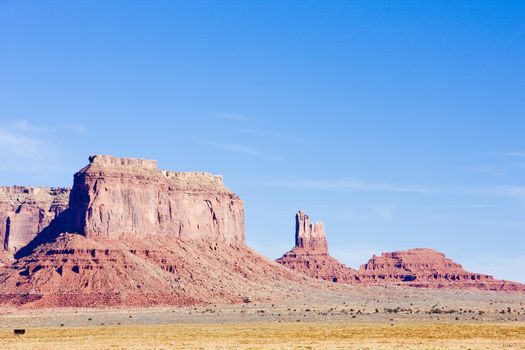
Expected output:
(490, 171)
(346, 184)
(16, 145)
(513, 191)
(245, 150)
(384, 212)
(24, 126)
(510, 154)
(471, 206)
(234, 117)
(27, 148)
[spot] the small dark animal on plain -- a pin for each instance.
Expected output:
(19, 331)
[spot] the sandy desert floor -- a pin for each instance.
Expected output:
(393, 318)
(338, 335)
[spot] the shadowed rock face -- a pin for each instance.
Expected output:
(310, 254)
(114, 197)
(25, 211)
(310, 236)
(135, 235)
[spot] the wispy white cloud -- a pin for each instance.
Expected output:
(346, 184)
(350, 184)
(245, 150)
(511, 154)
(234, 117)
(497, 172)
(23, 125)
(29, 148)
(383, 212)
(471, 206)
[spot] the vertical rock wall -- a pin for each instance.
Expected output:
(25, 211)
(310, 236)
(114, 197)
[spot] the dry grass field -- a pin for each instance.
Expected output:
(272, 336)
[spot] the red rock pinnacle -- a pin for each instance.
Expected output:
(310, 236)
(310, 254)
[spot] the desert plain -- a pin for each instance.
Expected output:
(344, 318)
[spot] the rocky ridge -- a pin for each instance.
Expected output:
(25, 211)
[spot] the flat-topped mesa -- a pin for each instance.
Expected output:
(423, 267)
(310, 236)
(114, 197)
(25, 211)
(310, 254)
(123, 162)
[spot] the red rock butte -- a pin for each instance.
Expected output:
(131, 234)
(310, 254)
(113, 197)
(424, 268)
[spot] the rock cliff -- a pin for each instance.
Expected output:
(310, 254)
(136, 235)
(25, 211)
(114, 197)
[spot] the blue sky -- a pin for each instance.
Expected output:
(399, 124)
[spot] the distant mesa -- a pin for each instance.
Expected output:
(427, 268)
(423, 268)
(310, 254)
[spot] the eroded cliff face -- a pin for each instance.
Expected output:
(135, 235)
(25, 211)
(114, 197)
(427, 268)
(423, 268)
(310, 254)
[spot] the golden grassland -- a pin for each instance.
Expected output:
(272, 336)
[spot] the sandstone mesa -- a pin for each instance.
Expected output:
(420, 267)
(128, 233)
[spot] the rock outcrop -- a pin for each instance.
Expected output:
(114, 197)
(25, 211)
(429, 269)
(310, 254)
(423, 268)
(135, 235)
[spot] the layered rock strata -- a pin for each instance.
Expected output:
(114, 197)
(25, 211)
(310, 254)
(429, 269)
(136, 235)
(423, 268)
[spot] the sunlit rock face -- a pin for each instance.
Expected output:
(423, 267)
(136, 235)
(114, 197)
(310, 254)
(25, 211)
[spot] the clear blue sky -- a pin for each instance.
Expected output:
(399, 124)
